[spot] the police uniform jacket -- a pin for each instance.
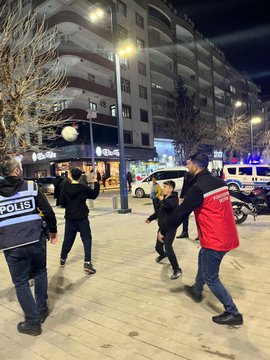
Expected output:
(20, 222)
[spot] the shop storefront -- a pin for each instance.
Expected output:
(165, 152)
(57, 161)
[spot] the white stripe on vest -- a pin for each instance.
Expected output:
(21, 219)
(31, 191)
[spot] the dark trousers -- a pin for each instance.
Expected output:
(23, 261)
(167, 246)
(71, 229)
(208, 273)
(185, 224)
(156, 204)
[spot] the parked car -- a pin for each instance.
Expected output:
(47, 183)
(142, 188)
(246, 177)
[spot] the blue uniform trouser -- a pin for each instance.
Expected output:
(23, 261)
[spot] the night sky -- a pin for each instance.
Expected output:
(240, 28)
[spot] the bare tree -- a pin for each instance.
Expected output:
(233, 134)
(263, 139)
(189, 128)
(31, 81)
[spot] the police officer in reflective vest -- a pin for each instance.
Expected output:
(24, 243)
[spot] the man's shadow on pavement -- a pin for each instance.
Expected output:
(59, 285)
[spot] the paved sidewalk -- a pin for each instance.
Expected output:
(130, 309)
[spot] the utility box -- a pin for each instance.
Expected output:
(115, 202)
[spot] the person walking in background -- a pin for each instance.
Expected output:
(24, 243)
(56, 193)
(168, 203)
(156, 192)
(186, 186)
(98, 176)
(83, 179)
(209, 198)
(129, 180)
(104, 179)
(73, 199)
(91, 177)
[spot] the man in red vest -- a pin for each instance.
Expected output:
(209, 198)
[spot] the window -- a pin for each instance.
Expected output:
(128, 138)
(139, 20)
(122, 8)
(124, 63)
(91, 77)
(232, 89)
(122, 33)
(263, 171)
(145, 139)
(154, 13)
(126, 111)
(171, 175)
(158, 175)
(92, 105)
(141, 68)
(113, 110)
(144, 115)
(63, 104)
(142, 92)
(245, 171)
(140, 44)
(125, 85)
(232, 171)
(154, 85)
(55, 106)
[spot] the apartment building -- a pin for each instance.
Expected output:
(178, 49)
(168, 47)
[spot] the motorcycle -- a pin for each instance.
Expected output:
(256, 203)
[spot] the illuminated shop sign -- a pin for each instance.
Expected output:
(42, 156)
(107, 152)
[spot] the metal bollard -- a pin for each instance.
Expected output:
(115, 202)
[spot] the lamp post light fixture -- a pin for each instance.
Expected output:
(253, 121)
(123, 51)
(238, 104)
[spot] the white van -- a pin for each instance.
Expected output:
(246, 177)
(143, 188)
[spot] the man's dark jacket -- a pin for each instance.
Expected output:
(164, 212)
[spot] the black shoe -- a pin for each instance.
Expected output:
(63, 262)
(176, 274)
(184, 235)
(88, 268)
(29, 329)
(160, 258)
(43, 315)
(228, 319)
(197, 239)
(189, 290)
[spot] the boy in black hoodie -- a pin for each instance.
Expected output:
(168, 203)
(73, 198)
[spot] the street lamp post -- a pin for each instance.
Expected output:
(254, 120)
(91, 115)
(125, 51)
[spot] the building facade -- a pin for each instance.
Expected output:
(168, 48)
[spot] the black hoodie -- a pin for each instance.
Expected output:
(167, 206)
(73, 198)
(12, 184)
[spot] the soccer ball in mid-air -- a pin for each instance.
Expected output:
(69, 133)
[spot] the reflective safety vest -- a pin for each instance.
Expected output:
(20, 224)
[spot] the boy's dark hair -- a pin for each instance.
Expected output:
(170, 183)
(200, 159)
(76, 173)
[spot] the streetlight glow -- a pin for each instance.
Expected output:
(256, 120)
(125, 51)
(238, 104)
(96, 15)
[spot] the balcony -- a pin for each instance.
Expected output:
(77, 82)
(160, 26)
(205, 59)
(84, 54)
(165, 70)
(190, 63)
(162, 92)
(80, 114)
(161, 46)
(67, 16)
(163, 112)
